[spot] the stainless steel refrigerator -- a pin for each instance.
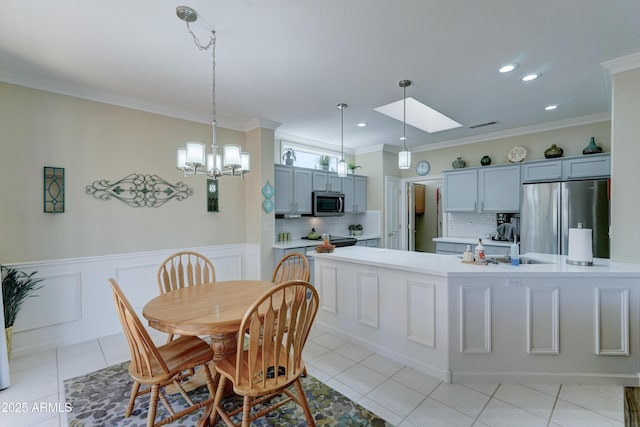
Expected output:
(549, 209)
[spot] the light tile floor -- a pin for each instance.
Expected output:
(401, 395)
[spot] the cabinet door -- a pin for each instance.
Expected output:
(360, 193)
(283, 177)
(591, 166)
(348, 188)
(335, 182)
(320, 181)
(373, 243)
(549, 170)
(302, 184)
(499, 189)
(461, 191)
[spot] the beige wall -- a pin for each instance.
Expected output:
(571, 139)
(625, 175)
(95, 141)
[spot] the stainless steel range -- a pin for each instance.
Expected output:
(338, 241)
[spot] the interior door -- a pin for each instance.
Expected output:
(411, 216)
(392, 215)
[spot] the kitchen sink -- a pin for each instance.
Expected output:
(523, 260)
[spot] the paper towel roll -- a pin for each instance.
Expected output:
(580, 247)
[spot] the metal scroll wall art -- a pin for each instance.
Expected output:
(139, 190)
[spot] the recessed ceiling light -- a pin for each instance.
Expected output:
(550, 107)
(361, 124)
(508, 67)
(418, 115)
(402, 138)
(530, 77)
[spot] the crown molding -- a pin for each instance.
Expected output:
(311, 143)
(103, 97)
(261, 123)
(622, 64)
(508, 133)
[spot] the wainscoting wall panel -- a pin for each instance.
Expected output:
(368, 301)
(328, 289)
(76, 303)
(612, 322)
(421, 313)
(475, 319)
(543, 320)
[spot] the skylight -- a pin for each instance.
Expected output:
(419, 116)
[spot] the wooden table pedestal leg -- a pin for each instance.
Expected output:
(223, 346)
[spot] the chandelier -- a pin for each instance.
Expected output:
(194, 159)
(404, 156)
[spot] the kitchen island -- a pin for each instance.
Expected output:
(538, 322)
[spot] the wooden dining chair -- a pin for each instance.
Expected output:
(293, 266)
(156, 367)
(186, 268)
(278, 326)
(182, 269)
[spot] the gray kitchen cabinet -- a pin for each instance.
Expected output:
(591, 166)
(354, 188)
(373, 243)
(461, 190)
(293, 187)
(546, 170)
(579, 167)
(326, 181)
(499, 189)
(487, 189)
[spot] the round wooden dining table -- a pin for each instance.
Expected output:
(215, 309)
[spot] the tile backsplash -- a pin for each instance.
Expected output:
(335, 225)
(471, 225)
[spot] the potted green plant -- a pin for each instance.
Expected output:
(355, 229)
(324, 162)
(351, 167)
(289, 156)
(16, 287)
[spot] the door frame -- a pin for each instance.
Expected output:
(405, 184)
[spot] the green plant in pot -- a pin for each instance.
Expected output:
(289, 156)
(17, 286)
(356, 229)
(324, 162)
(351, 167)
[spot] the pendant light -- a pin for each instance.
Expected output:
(404, 156)
(342, 165)
(191, 160)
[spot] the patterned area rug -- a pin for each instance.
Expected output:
(100, 399)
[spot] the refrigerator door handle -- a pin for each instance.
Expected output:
(557, 200)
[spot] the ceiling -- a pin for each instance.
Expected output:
(292, 62)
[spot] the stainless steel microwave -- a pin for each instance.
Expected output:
(328, 203)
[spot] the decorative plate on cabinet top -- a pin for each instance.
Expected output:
(517, 154)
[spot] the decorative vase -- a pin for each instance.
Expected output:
(592, 148)
(485, 161)
(7, 333)
(458, 163)
(553, 151)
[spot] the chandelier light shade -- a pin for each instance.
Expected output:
(404, 156)
(191, 160)
(342, 165)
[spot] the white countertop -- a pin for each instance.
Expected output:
(486, 241)
(451, 265)
(305, 243)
